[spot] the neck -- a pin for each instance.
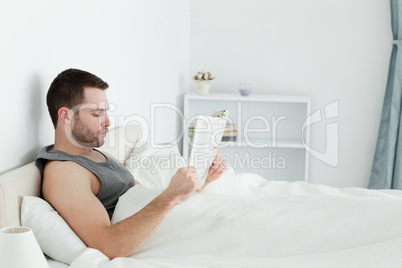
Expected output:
(62, 143)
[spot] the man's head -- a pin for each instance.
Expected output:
(78, 106)
(67, 90)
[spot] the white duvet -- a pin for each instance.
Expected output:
(245, 221)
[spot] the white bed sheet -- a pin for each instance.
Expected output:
(56, 264)
(246, 221)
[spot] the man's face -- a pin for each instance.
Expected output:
(91, 121)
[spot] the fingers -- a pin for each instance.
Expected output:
(190, 169)
(217, 166)
(222, 167)
(188, 173)
(184, 182)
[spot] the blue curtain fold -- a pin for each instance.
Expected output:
(387, 165)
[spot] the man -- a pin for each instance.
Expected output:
(83, 184)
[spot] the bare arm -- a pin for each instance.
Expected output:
(69, 188)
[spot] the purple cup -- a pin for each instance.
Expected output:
(244, 91)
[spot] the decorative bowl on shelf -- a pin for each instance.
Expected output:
(245, 89)
(245, 92)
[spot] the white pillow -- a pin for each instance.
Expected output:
(154, 167)
(54, 236)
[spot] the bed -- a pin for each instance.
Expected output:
(241, 220)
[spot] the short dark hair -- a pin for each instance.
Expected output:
(67, 90)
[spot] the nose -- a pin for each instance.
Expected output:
(106, 122)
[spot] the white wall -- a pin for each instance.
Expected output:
(328, 50)
(141, 48)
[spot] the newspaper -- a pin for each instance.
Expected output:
(205, 137)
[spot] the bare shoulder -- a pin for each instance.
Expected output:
(62, 175)
(60, 170)
(57, 165)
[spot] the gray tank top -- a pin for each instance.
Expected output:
(114, 177)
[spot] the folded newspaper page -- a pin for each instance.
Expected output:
(205, 137)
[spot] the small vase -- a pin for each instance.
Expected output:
(203, 87)
(245, 92)
(245, 89)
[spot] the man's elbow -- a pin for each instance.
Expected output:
(114, 251)
(113, 245)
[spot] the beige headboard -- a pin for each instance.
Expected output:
(13, 186)
(17, 183)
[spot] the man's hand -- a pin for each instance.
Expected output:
(183, 185)
(216, 170)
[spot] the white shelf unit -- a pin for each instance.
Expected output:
(270, 127)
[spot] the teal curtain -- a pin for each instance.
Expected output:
(387, 165)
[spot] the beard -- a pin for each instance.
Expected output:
(84, 136)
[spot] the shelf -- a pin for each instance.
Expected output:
(253, 97)
(264, 119)
(263, 143)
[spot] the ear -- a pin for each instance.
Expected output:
(65, 115)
